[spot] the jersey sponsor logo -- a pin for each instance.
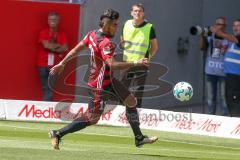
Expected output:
(106, 50)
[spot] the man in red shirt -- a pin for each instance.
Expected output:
(53, 45)
(102, 86)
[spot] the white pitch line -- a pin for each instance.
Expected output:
(121, 136)
(120, 147)
(82, 132)
(19, 142)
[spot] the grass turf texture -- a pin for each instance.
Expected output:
(29, 141)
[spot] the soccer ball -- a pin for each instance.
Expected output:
(183, 91)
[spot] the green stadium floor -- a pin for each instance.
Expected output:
(29, 141)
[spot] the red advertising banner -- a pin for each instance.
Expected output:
(114, 115)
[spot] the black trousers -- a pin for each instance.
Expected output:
(233, 94)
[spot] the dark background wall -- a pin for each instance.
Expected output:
(172, 20)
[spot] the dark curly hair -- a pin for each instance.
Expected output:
(109, 15)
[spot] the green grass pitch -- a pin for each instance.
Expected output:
(29, 141)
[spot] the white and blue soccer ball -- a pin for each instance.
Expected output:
(183, 91)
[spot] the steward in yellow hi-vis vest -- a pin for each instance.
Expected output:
(136, 41)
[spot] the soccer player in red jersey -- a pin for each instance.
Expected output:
(101, 83)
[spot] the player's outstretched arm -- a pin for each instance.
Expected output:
(116, 65)
(57, 69)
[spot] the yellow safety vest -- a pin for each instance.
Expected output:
(136, 41)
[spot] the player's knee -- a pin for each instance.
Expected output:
(94, 118)
(130, 101)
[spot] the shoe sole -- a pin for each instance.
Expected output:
(153, 140)
(53, 141)
(54, 144)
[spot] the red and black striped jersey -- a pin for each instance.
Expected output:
(101, 49)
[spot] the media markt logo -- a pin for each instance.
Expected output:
(33, 112)
(65, 112)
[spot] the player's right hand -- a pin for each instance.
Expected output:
(144, 61)
(57, 69)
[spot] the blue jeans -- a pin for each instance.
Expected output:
(44, 73)
(216, 87)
